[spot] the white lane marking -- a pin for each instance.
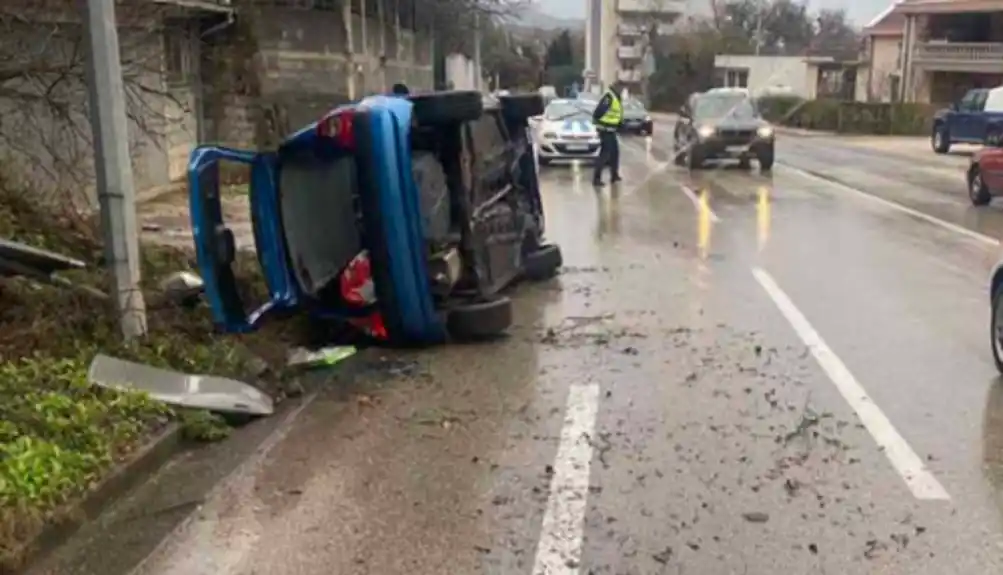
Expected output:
(917, 477)
(700, 207)
(961, 230)
(653, 171)
(559, 551)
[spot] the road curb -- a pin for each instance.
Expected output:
(142, 464)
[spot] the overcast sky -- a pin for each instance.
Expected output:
(861, 11)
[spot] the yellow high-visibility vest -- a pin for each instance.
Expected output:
(614, 115)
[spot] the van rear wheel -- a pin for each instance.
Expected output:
(479, 320)
(440, 108)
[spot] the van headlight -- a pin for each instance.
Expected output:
(765, 132)
(705, 131)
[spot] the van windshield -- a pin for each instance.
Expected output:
(317, 200)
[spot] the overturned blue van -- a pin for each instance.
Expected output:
(406, 217)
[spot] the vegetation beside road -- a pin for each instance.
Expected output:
(60, 436)
(870, 118)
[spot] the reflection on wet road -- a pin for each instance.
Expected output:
(737, 373)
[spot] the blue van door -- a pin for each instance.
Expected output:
(216, 245)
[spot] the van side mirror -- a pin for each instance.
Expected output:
(994, 138)
(684, 112)
(955, 107)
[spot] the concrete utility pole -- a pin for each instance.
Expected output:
(759, 27)
(478, 74)
(113, 164)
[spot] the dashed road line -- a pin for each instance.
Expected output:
(559, 551)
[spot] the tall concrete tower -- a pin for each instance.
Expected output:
(616, 36)
(593, 38)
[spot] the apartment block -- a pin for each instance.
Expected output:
(618, 34)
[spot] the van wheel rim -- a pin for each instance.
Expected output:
(976, 185)
(936, 138)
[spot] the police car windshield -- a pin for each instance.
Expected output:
(567, 111)
(634, 105)
(716, 106)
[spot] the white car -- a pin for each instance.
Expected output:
(565, 132)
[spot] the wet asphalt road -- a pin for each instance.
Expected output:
(736, 373)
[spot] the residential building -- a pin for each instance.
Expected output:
(947, 47)
(808, 77)
(618, 32)
(241, 73)
(884, 55)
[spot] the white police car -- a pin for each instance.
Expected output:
(565, 132)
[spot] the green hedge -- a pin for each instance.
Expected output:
(901, 119)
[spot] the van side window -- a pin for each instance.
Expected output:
(973, 101)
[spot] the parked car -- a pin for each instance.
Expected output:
(723, 123)
(404, 216)
(984, 177)
(636, 119)
(969, 120)
(588, 100)
(565, 132)
(996, 315)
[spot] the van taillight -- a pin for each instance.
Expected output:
(339, 126)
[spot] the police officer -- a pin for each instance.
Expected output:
(608, 116)
(400, 90)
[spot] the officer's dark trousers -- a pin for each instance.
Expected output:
(609, 155)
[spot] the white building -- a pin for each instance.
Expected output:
(806, 77)
(616, 34)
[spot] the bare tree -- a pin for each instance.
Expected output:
(44, 133)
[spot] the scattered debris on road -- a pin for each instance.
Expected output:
(756, 517)
(664, 556)
(319, 358)
(192, 391)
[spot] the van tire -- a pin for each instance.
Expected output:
(479, 320)
(518, 108)
(454, 107)
(543, 263)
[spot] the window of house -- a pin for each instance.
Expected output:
(177, 52)
(974, 100)
(736, 79)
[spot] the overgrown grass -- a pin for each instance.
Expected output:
(59, 436)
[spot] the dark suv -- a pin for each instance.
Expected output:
(723, 123)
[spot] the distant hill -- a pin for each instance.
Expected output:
(533, 17)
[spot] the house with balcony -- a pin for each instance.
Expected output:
(935, 50)
(883, 49)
